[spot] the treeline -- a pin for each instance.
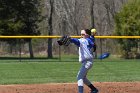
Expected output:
(68, 17)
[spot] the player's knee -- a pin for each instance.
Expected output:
(88, 65)
(80, 82)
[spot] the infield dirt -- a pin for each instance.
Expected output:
(104, 87)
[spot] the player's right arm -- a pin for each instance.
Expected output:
(92, 38)
(75, 41)
(92, 44)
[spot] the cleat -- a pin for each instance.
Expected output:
(94, 91)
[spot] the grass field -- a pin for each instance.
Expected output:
(39, 71)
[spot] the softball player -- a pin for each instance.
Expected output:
(85, 44)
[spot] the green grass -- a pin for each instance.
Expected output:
(38, 71)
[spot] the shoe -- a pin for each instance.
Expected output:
(94, 91)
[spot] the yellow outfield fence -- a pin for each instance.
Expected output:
(40, 47)
(115, 37)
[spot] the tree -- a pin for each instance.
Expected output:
(127, 22)
(30, 15)
(50, 29)
(20, 17)
(8, 24)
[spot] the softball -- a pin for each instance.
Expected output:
(93, 30)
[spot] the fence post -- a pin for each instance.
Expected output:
(60, 53)
(19, 49)
(101, 50)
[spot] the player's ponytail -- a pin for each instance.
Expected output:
(88, 31)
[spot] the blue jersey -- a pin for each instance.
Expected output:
(85, 47)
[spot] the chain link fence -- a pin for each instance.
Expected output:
(118, 49)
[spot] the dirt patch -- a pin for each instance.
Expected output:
(104, 87)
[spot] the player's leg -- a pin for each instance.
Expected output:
(81, 75)
(86, 81)
(90, 85)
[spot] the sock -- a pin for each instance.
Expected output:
(80, 89)
(80, 85)
(91, 87)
